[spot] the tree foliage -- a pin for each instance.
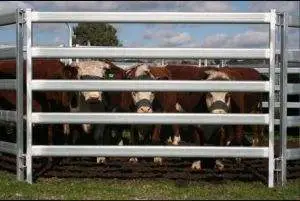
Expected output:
(99, 34)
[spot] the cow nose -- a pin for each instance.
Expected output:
(93, 100)
(219, 112)
(145, 109)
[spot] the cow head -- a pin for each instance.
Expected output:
(91, 70)
(143, 99)
(217, 102)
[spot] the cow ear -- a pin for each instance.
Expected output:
(209, 72)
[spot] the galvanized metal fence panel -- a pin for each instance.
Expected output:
(14, 84)
(79, 52)
(285, 89)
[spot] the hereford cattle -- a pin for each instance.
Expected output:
(8, 100)
(236, 102)
(98, 101)
(44, 69)
(191, 102)
(148, 102)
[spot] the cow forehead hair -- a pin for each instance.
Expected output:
(97, 68)
(218, 74)
(142, 69)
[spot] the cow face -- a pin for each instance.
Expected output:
(92, 70)
(143, 100)
(217, 102)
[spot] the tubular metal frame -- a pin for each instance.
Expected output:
(36, 52)
(285, 89)
(15, 84)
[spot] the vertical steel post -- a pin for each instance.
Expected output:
(283, 98)
(19, 91)
(272, 40)
(29, 97)
(199, 62)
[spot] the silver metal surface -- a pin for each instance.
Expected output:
(293, 121)
(294, 21)
(143, 53)
(8, 115)
(151, 17)
(148, 118)
(294, 55)
(283, 98)
(146, 85)
(19, 91)
(7, 19)
(277, 70)
(293, 154)
(272, 42)
(28, 97)
(150, 151)
(7, 53)
(293, 88)
(8, 147)
(289, 104)
(7, 84)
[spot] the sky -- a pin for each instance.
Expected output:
(160, 35)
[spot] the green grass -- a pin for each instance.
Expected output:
(82, 189)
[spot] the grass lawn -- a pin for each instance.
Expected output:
(82, 189)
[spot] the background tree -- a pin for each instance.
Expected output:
(99, 34)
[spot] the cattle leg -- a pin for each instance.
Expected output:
(177, 138)
(99, 139)
(133, 136)
(198, 139)
(156, 140)
(66, 132)
(50, 140)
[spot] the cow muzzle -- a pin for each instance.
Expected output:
(144, 106)
(218, 107)
(93, 97)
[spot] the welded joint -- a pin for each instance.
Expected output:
(21, 18)
(278, 162)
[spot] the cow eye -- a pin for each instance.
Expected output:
(209, 95)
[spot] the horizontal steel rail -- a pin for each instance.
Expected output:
(277, 70)
(148, 118)
(151, 17)
(294, 21)
(291, 88)
(150, 151)
(8, 115)
(146, 85)
(8, 147)
(7, 53)
(175, 53)
(277, 104)
(8, 84)
(294, 55)
(292, 121)
(7, 19)
(294, 89)
(293, 154)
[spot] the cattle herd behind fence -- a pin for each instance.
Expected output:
(24, 21)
